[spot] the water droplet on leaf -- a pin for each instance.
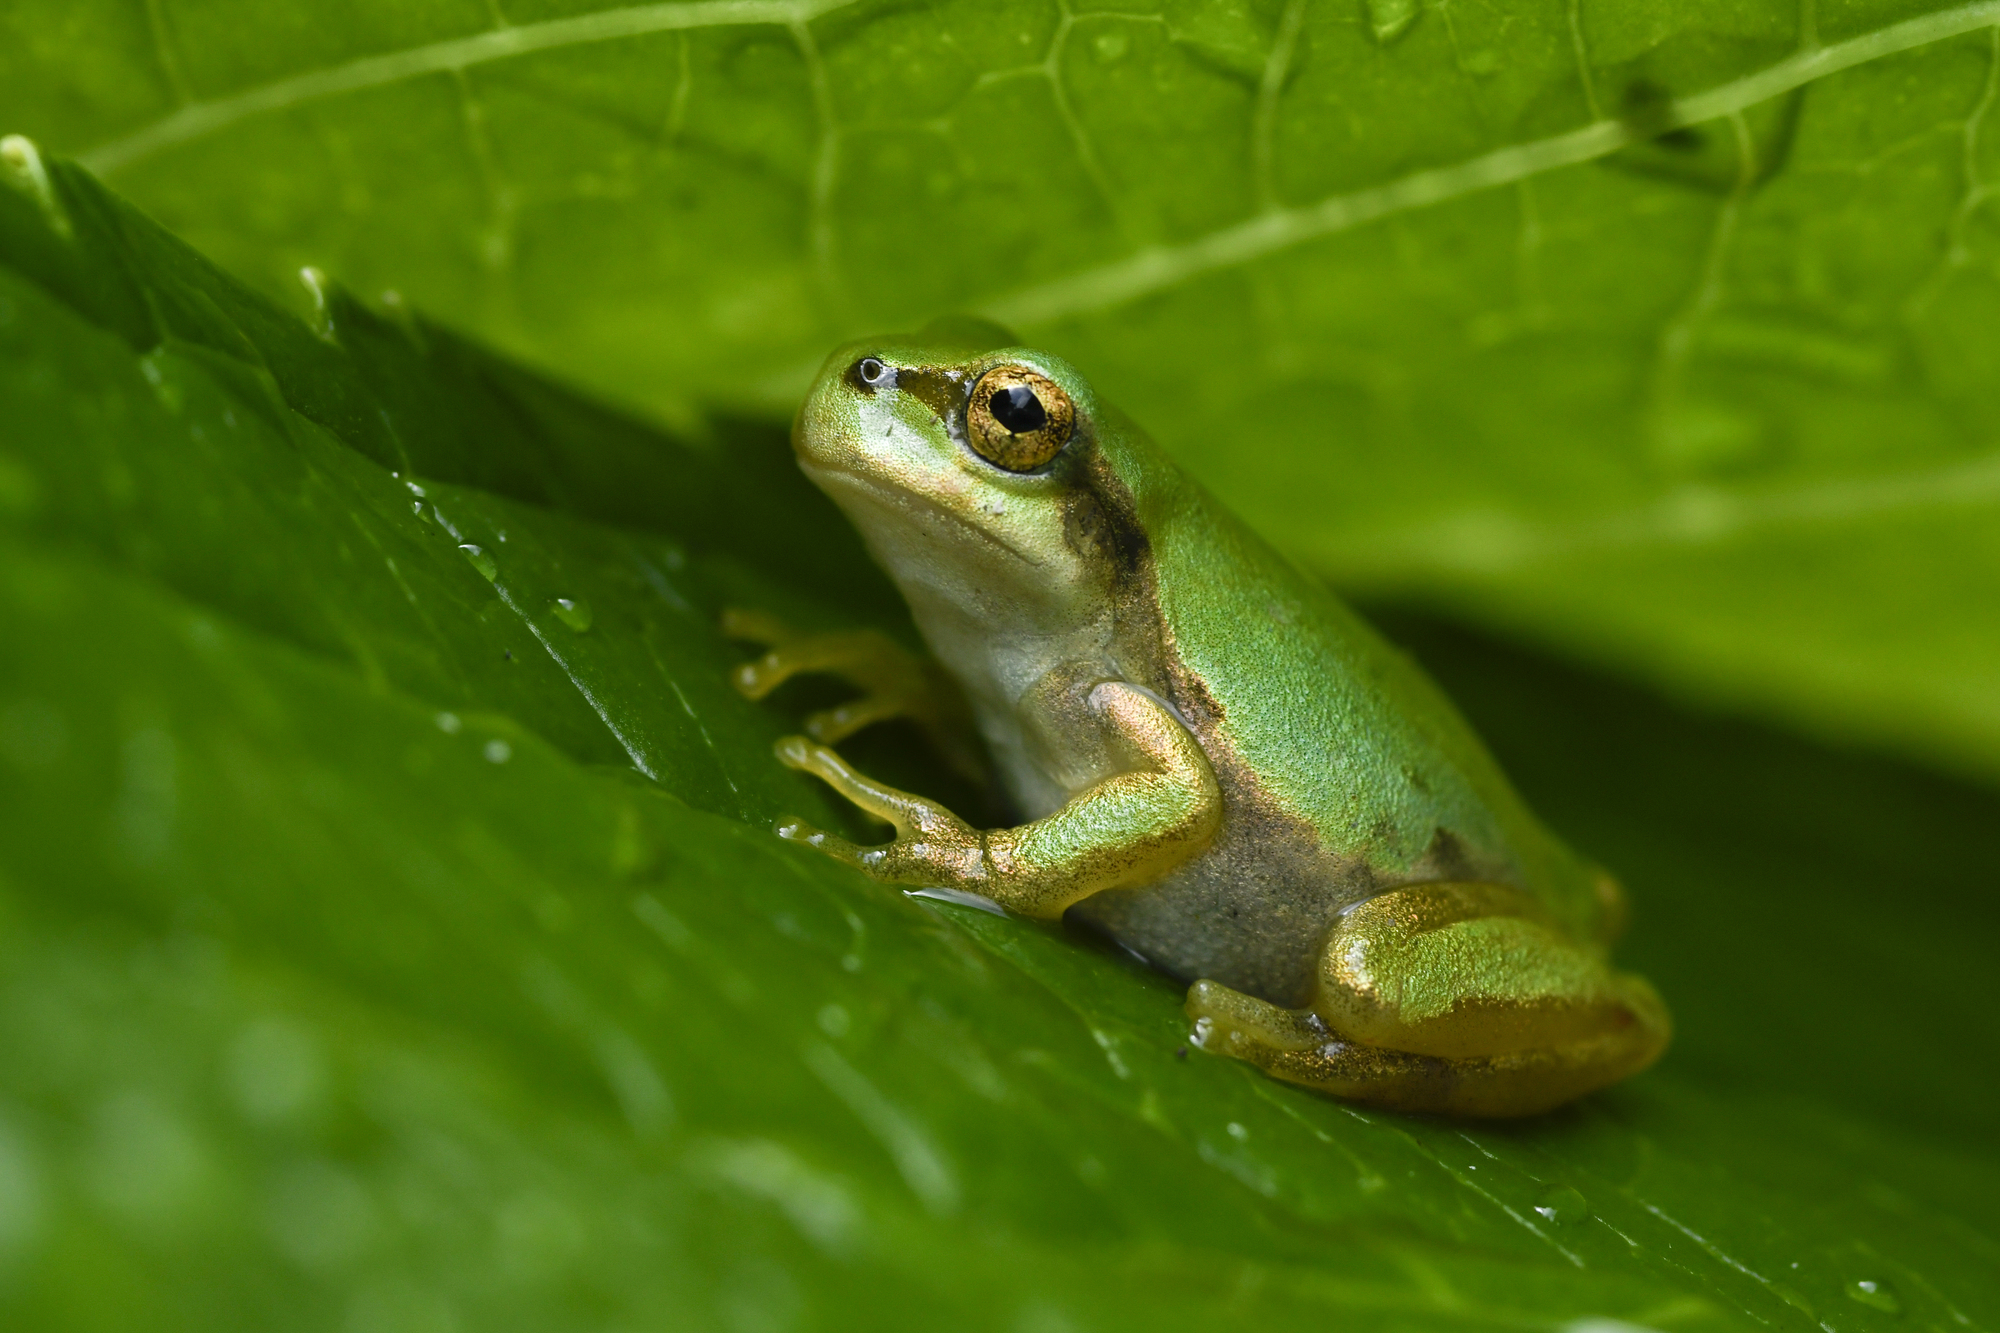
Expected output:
(574, 612)
(481, 561)
(1875, 1294)
(1392, 18)
(1563, 1206)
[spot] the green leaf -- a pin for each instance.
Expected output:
(1664, 333)
(353, 971)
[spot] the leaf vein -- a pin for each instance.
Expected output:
(199, 119)
(1158, 268)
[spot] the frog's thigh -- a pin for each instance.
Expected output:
(1458, 970)
(1450, 997)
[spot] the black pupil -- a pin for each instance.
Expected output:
(870, 369)
(1017, 408)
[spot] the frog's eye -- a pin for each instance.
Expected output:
(1018, 419)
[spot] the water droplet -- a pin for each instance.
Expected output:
(1875, 1294)
(417, 508)
(320, 1215)
(1392, 18)
(448, 723)
(498, 752)
(481, 561)
(1237, 1132)
(574, 612)
(276, 1071)
(21, 167)
(315, 283)
(1563, 1206)
(165, 378)
(833, 1020)
(148, 1164)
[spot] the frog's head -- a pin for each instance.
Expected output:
(974, 470)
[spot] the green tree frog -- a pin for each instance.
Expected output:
(1218, 765)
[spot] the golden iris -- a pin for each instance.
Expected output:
(1019, 419)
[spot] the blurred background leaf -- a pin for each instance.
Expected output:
(391, 936)
(1661, 333)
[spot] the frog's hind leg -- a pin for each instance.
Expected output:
(1296, 1045)
(1459, 998)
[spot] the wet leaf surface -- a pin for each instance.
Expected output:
(357, 973)
(1661, 333)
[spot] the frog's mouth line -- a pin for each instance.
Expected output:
(820, 474)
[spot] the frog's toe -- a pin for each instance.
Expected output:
(1226, 1021)
(830, 726)
(793, 829)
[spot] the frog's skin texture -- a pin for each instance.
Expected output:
(1220, 766)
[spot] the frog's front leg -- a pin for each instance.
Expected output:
(1459, 998)
(895, 683)
(1127, 829)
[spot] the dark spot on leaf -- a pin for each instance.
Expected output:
(1647, 108)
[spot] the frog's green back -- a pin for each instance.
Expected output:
(1340, 727)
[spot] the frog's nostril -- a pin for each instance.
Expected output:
(870, 371)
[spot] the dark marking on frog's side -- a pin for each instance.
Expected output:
(1253, 908)
(1098, 532)
(1446, 860)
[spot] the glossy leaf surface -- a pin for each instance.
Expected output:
(1663, 332)
(356, 975)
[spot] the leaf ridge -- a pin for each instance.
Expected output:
(202, 118)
